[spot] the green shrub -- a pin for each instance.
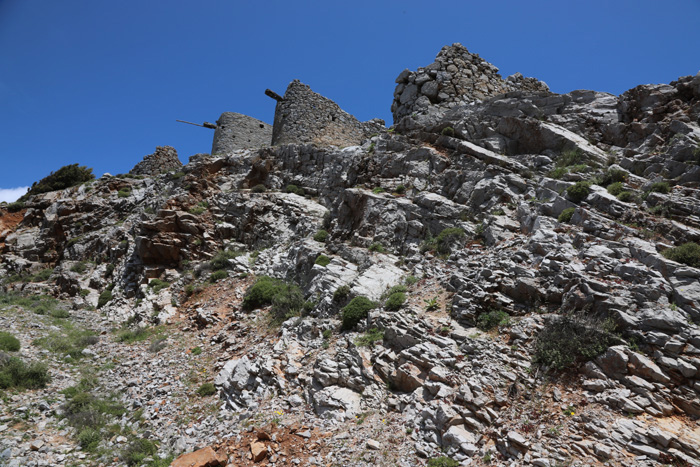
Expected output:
(625, 196)
(206, 389)
(443, 461)
(8, 342)
(570, 157)
(196, 350)
(321, 236)
(218, 275)
(14, 207)
(448, 238)
(400, 189)
(15, 373)
(660, 187)
(104, 298)
(109, 270)
(410, 280)
(295, 189)
(615, 188)
(356, 310)
(79, 267)
(396, 289)
(196, 210)
(65, 177)
(395, 301)
(177, 175)
(42, 275)
(137, 451)
(370, 337)
(259, 188)
(124, 193)
(287, 300)
(157, 285)
(89, 439)
(448, 131)
(59, 313)
(341, 294)
(565, 341)
(322, 260)
(129, 336)
(688, 253)
(579, 191)
(378, 247)
(566, 215)
(378, 190)
(558, 172)
(613, 176)
(221, 259)
(491, 319)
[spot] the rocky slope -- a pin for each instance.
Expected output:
(525, 226)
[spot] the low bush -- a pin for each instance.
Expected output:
(65, 177)
(15, 373)
(612, 176)
(206, 389)
(321, 236)
(660, 187)
(322, 260)
(579, 191)
(138, 450)
(104, 298)
(129, 336)
(370, 337)
(295, 189)
(259, 189)
(341, 294)
(221, 259)
(378, 190)
(688, 253)
(286, 299)
(14, 207)
(443, 461)
(448, 238)
(400, 190)
(626, 196)
(69, 342)
(615, 188)
(356, 310)
(124, 193)
(8, 342)
(378, 247)
(59, 313)
(565, 341)
(79, 267)
(448, 131)
(218, 275)
(491, 319)
(395, 301)
(566, 215)
(570, 157)
(157, 285)
(42, 275)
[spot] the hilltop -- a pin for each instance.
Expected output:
(504, 276)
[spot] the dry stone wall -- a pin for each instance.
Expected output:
(455, 77)
(236, 131)
(163, 160)
(303, 116)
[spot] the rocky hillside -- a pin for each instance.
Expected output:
(506, 276)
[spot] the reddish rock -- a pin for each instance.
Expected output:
(205, 457)
(258, 450)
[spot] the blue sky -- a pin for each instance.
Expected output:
(101, 83)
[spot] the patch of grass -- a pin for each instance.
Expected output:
(196, 350)
(566, 215)
(378, 190)
(39, 304)
(156, 285)
(443, 461)
(206, 389)
(570, 157)
(378, 247)
(356, 310)
(8, 342)
(221, 259)
(445, 241)
(688, 253)
(197, 210)
(59, 313)
(566, 341)
(615, 188)
(218, 275)
(42, 275)
(70, 341)
(660, 187)
(124, 193)
(369, 338)
(16, 373)
(491, 319)
(138, 450)
(286, 299)
(79, 267)
(130, 336)
(578, 191)
(558, 172)
(322, 260)
(626, 196)
(321, 236)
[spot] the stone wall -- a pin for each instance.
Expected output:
(304, 116)
(163, 160)
(237, 131)
(455, 77)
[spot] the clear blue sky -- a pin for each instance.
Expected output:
(101, 83)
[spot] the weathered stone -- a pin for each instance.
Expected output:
(205, 457)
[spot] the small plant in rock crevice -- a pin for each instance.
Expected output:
(356, 310)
